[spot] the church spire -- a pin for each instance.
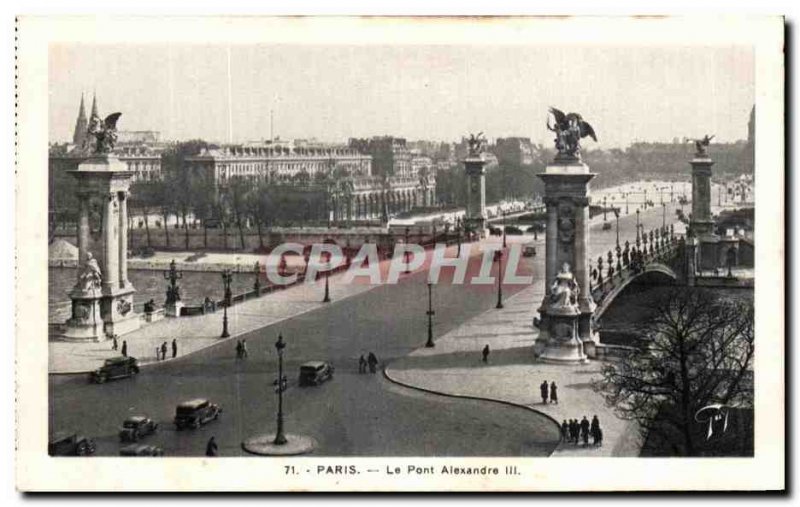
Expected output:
(81, 126)
(94, 106)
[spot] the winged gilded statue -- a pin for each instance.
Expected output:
(702, 145)
(569, 129)
(104, 132)
(476, 142)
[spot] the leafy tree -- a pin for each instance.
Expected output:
(695, 351)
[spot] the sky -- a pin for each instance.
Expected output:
(221, 93)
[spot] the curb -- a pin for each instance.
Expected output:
(478, 398)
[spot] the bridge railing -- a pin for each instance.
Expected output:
(656, 246)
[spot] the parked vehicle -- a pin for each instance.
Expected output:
(314, 373)
(606, 226)
(193, 413)
(70, 444)
(529, 250)
(116, 367)
(513, 230)
(136, 427)
(495, 231)
(141, 450)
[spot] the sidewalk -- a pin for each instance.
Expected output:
(201, 331)
(512, 375)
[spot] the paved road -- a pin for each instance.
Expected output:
(354, 415)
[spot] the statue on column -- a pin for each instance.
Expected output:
(91, 277)
(104, 132)
(564, 291)
(476, 143)
(701, 145)
(569, 129)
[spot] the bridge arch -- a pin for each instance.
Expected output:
(655, 271)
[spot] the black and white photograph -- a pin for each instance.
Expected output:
(376, 254)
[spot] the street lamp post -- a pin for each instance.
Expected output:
(430, 313)
(280, 386)
(637, 224)
(626, 203)
(257, 282)
(327, 298)
(616, 216)
(663, 215)
(227, 277)
(407, 252)
(499, 258)
(504, 228)
(604, 209)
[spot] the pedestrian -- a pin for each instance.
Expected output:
(163, 351)
(362, 364)
(573, 431)
(174, 348)
(244, 349)
(211, 447)
(553, 392)
(543, 388)
(124, 348)
(564, 430)
(372, 360)
(238, 349)
(585, 431)
(598, 438)
(594, 428)
(485, 353)
(114, 345)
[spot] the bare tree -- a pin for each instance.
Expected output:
(695, 351)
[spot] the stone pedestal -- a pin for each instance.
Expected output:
(567, 238)
(173, 309)
(563, 344)
(475, 217)
(103, 307)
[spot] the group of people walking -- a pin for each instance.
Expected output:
(371, 361)
(573, 431)
(549, 391)
(241, 349)
(161, 352)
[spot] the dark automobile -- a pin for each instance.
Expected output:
(141, 450)
(314, 373)
(193, 413)
(529, 250)
(136, 427)
(70, 444)
(116, 367)
(495, 231)
(606, 226)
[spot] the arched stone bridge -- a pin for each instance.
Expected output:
(657, 256)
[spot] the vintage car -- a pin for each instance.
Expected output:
(529, 250)
(141, 450)
(193, 413)
(116, 367)
(136, 427)
(606, 226)
(70, 444)
(314, 373)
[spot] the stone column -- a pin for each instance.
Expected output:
(123, 239)
(83, 230)
(110, 244)
(551, 243)
(581, 260)
(476, 193)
